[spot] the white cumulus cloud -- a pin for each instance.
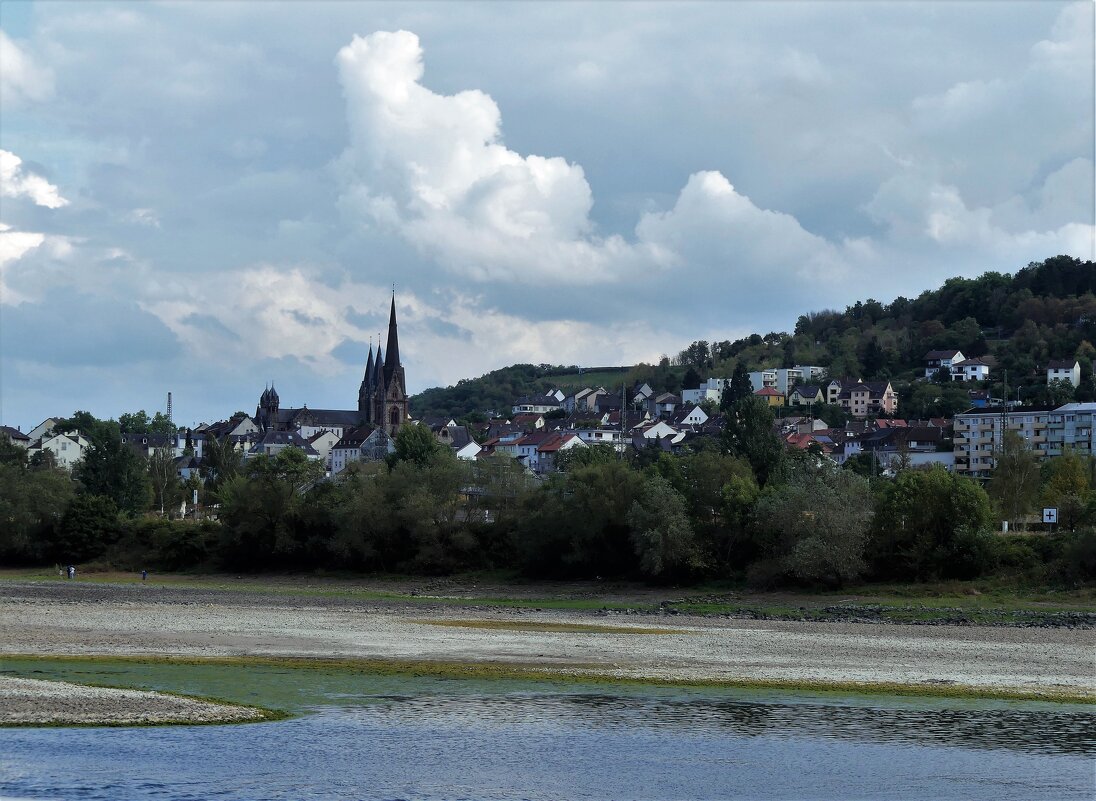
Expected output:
(15, 181)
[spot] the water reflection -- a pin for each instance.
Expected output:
(1036, 732)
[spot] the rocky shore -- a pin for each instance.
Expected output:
(32, 702)
(57, 618)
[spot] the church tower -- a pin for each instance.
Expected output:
(365, 392)
(390, 396)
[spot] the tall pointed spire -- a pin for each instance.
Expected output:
(369, 364)
(392, 358)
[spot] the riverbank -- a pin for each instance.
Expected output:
(32, 702)
(148, 619)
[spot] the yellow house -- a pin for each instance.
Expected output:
(772, 396)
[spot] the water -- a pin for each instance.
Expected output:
(387, 738)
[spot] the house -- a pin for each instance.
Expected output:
(528, 421)
(43, 428)
(664, 405)
(575, 400)
(834, 386)
(1064, 370)
(274, 442)
(869, 398)
(710, 390)
(67, 449)
(689, 416)
(363, 444)
(806, 395)
(771, 396)
(15, 436)
(937, 360)
(323, 442)
(548, 451)
(970, 370)
(536, 404)
(641, 393)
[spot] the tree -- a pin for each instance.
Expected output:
(930, 524)
(113, 470)
(415, 443)
(163, 476)
(1067, 487)
(747, 432)
(738, 388)
(661, 533)
(89, 526)
(814, 525)
(1014, 484)
(222, 461)
(32, 503)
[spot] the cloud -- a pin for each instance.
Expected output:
(15, 181)
(434, 168)
(22, 80)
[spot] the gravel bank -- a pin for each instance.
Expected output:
(32, 702)
(60, 619)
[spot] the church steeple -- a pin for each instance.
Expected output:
(392, 358)
(369, 364)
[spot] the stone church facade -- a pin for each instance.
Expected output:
(382, 398)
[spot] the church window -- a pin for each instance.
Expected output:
(394, 416)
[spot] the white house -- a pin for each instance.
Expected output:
(67, 449)
(970, 370)
(691, 417)
(712, 390)
(936, 360)
(1064, 370)
(763, 378)
(43, 428)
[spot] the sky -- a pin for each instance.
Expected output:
(203, 198)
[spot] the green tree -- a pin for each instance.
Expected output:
(1066, 487)
(113, 470)
(748, 433)
(814, 526)
(661, 533)
(1014, 484)
(738, 388)
(415, 443)
(88, 527)
(163, 477)
(32, 503)
(930, 524)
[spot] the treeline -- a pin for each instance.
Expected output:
(1047, 310)
(737, 507)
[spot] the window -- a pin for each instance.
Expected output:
(394, 416)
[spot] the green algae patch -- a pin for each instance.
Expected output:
(539, 626)
(568, 674)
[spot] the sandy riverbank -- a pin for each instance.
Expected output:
(59, 619)
(32, 702)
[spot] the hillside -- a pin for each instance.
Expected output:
(1046, 310)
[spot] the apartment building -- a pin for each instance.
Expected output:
(1047, 431)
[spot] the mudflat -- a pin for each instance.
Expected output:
(61, 618)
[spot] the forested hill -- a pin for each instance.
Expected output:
(1044, 311)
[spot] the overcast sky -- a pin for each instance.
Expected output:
(204, 197)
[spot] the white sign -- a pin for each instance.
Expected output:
(195, 497)
(1050, 515)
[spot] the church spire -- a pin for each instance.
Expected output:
(369, 364)
(392, 357)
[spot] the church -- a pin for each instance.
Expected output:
(382, 399)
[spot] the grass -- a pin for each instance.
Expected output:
(276, 680)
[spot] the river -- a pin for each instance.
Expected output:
(368, 737)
